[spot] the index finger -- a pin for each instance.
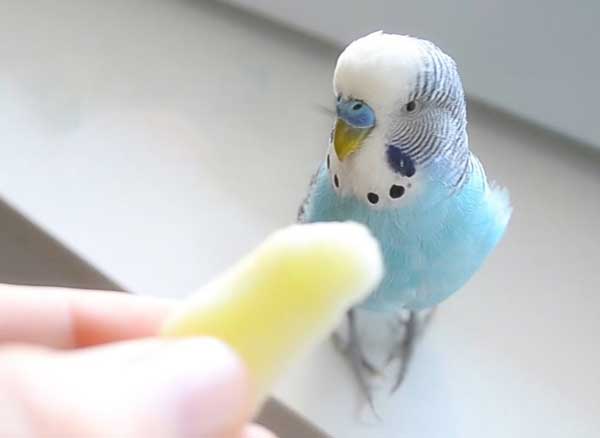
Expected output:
(71, 318)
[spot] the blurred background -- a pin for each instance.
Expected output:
(146, 145)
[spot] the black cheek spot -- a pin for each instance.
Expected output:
(373, 197)
(400, 162)
(328, 162)
(336, 181)
(396, 191)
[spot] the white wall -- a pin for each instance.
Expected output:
(537, 59)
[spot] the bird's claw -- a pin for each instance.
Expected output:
(346, 347)
(413, 327)
(408, 327)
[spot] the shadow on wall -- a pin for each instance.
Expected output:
(30, 256)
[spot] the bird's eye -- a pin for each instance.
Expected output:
(339, 97)
(357, 106)
(411, 106)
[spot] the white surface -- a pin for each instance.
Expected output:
(162, 140)
(150, 138)
(535, 59)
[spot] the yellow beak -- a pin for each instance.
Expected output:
(347, 139)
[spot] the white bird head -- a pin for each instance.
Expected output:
(400, 109)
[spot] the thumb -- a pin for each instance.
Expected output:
(146, 388)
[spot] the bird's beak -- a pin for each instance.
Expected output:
(348, 139)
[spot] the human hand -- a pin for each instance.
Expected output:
(85, 364)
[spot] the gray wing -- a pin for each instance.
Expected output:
(306, 201)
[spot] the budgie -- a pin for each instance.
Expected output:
(284, 297)
(399, 162)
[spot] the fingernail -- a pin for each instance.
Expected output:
(257, 431)
(196, 387)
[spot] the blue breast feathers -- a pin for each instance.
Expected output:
(429, 251)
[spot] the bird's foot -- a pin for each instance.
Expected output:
(362, 367)
(352, 348)
(380, 354)
(409, 325)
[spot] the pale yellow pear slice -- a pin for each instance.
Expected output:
(285, 296)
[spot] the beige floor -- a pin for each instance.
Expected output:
(161, 140)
